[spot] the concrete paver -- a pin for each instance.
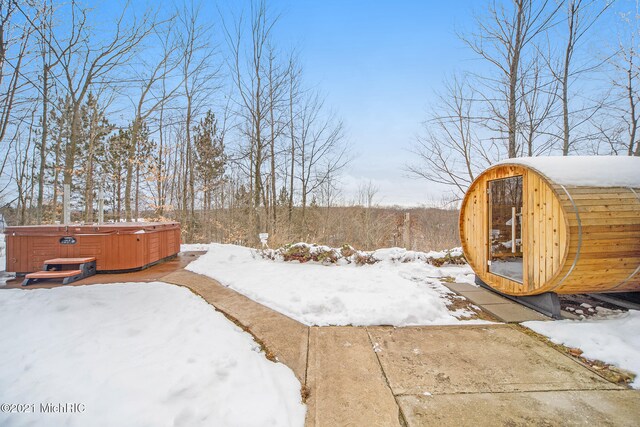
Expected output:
(461, 287)
(551, 408)
(347, 386)
(482, 296)
(513, 313)
(476, 359)
(502, 308)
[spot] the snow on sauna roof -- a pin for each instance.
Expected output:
(585, 171)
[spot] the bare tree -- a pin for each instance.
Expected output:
(278, 82)
(247, 66)
(45, 21)
(11, 36)
(581, 15)
(320, 153)
(539, 108)
(86, 61)
(502, 40)
(618, 122)
(146, 101)
(294, 94)
(450, 151)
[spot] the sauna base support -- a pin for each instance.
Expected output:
(546, 303)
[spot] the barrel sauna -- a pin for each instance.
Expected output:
(119, 247)
(555, 224)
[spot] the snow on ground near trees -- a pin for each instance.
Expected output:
(136, 354)
(385, 293)
(615, 340)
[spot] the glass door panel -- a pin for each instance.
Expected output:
(505, 227)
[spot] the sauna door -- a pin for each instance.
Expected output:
(505, 227)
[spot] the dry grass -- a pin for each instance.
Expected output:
(364, 228)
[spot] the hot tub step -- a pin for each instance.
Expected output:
(53, 274)
(67, 269)
(67, 276)
(68, 261)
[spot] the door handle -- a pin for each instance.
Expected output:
(513, 229)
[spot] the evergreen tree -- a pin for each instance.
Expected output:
(210, 157)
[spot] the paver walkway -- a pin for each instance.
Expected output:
(418, 376)
(501, 308)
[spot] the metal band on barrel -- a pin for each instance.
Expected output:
(575, 261)
(637, 268)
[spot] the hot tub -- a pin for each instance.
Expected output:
(117, 247)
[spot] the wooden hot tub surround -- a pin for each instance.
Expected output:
(116, 247)
(570, 238)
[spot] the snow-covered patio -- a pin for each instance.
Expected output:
(136, 354)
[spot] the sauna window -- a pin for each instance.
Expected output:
(505, 227)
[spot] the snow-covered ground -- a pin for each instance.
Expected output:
(615, 341)
(136, 354)
(386, 293)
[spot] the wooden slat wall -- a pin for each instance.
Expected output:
(472, 234)
(544, 231)
(610, 247)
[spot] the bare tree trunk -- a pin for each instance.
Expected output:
(88, 190)
(565, 78)
(137, 212)
(45, 39)
(633, 125)
(272, 147)
(43, 139)
(56, 172)
(70, 152)
(514, 68)
(130, 159)
(293, 148)
(190, 163)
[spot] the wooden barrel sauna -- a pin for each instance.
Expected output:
(555, 224)
(117, 247)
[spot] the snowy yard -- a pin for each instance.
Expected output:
(139, 354)
(400, 290)
(389, 292)
(611, 340)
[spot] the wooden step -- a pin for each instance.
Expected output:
(67, 261)
(53, 274)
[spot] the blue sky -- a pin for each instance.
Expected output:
(378, 64)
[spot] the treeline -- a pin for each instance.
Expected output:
(163, 113)
(546, 77)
